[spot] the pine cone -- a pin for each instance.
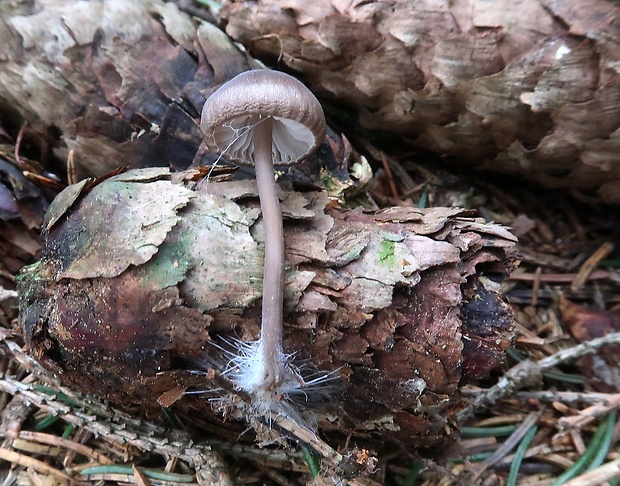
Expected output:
(149, 280)
(530, 88)
(119, 83)
(122, 84)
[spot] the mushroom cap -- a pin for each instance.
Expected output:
(228, 115)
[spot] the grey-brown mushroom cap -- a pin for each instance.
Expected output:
(228, 115)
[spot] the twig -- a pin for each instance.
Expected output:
(309, 438)
(536, 286)
(390, 176)
(581, 349)
(567, 397)
(27, 461)
(18, 143)
(54, 440)
(528, 372)
(143, 435)
(597, 476)
(559, 277)
(112, 424)
(330, 456)
(589, 414)
(71, 176)
(590, 264)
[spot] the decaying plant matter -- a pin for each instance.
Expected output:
(529, 88)
(113, 81)
(122, 84)
(147, 277)
(22, 206)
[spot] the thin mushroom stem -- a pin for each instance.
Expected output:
(270, 347)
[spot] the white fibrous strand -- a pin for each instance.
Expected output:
(302, 389)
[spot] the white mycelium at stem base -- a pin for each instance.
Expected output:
(265, 118)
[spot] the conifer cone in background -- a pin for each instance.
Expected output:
(529, 88)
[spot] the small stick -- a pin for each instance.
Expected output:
(331, 456)
(566, 397)
(27, 461)
(589, 414)
(71, 177)
(390, 177)
(536, 286)
(18, 143)
(590, 264)
(597, 476)
(528, 372)
(558, 277)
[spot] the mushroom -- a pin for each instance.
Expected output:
(263, 118)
